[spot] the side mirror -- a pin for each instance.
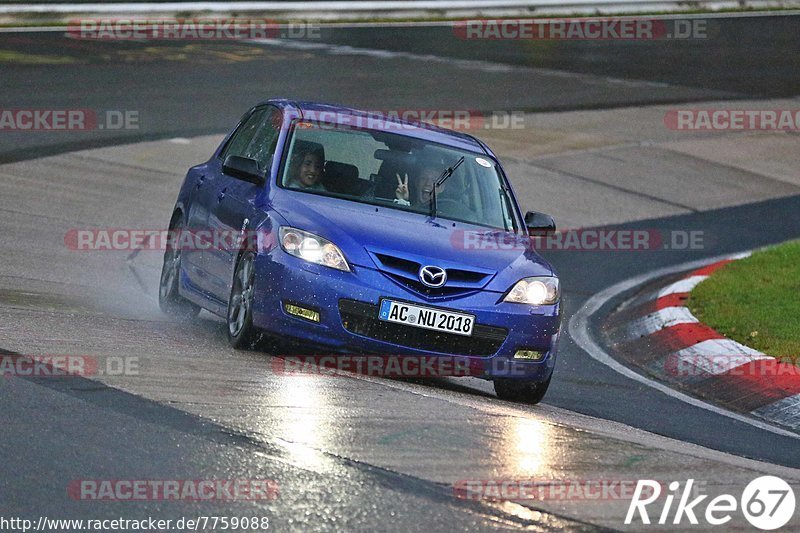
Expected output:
(243, 168)
(539, 223)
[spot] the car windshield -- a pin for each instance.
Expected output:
(397, 171)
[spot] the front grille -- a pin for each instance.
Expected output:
(405, 271)
(362, 319)
(410, 267)
(417, 286)
(464, 276)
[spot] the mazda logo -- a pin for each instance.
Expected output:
(432, 276)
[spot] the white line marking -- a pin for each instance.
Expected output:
(466, 64)
(579, 331)
(366, 5)
(683, 285)
(741, 255)
(324, 5)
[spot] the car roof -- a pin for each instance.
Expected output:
(381, 121)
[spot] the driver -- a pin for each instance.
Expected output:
(423, 185)
(417, 193)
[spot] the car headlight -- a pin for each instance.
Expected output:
(312, 248)
(542, 290)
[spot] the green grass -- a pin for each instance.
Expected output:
(756, 301)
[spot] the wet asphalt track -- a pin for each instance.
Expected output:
(187, 89)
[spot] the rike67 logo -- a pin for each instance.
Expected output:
(768, 503)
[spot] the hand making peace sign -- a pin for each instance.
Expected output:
(401, 192)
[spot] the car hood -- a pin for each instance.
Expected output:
(364, 231)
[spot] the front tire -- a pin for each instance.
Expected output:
(516, 390)
(241, 332)
(169, 299)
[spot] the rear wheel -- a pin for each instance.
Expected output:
(241, 332)
(169, 299)
(517, 390)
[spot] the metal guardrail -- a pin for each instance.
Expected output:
(384, 6)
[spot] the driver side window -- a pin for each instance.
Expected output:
(257, 137)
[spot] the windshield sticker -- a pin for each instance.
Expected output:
(482, 162)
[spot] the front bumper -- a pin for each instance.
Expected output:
(347, 304)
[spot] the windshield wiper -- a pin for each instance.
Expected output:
(446, 174)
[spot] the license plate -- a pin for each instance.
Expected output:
(426, 317)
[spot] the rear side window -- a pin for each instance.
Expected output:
(257, 137)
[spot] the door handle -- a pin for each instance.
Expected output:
(200, 181)
(221, 195)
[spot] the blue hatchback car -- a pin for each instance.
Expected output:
(373, 235)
